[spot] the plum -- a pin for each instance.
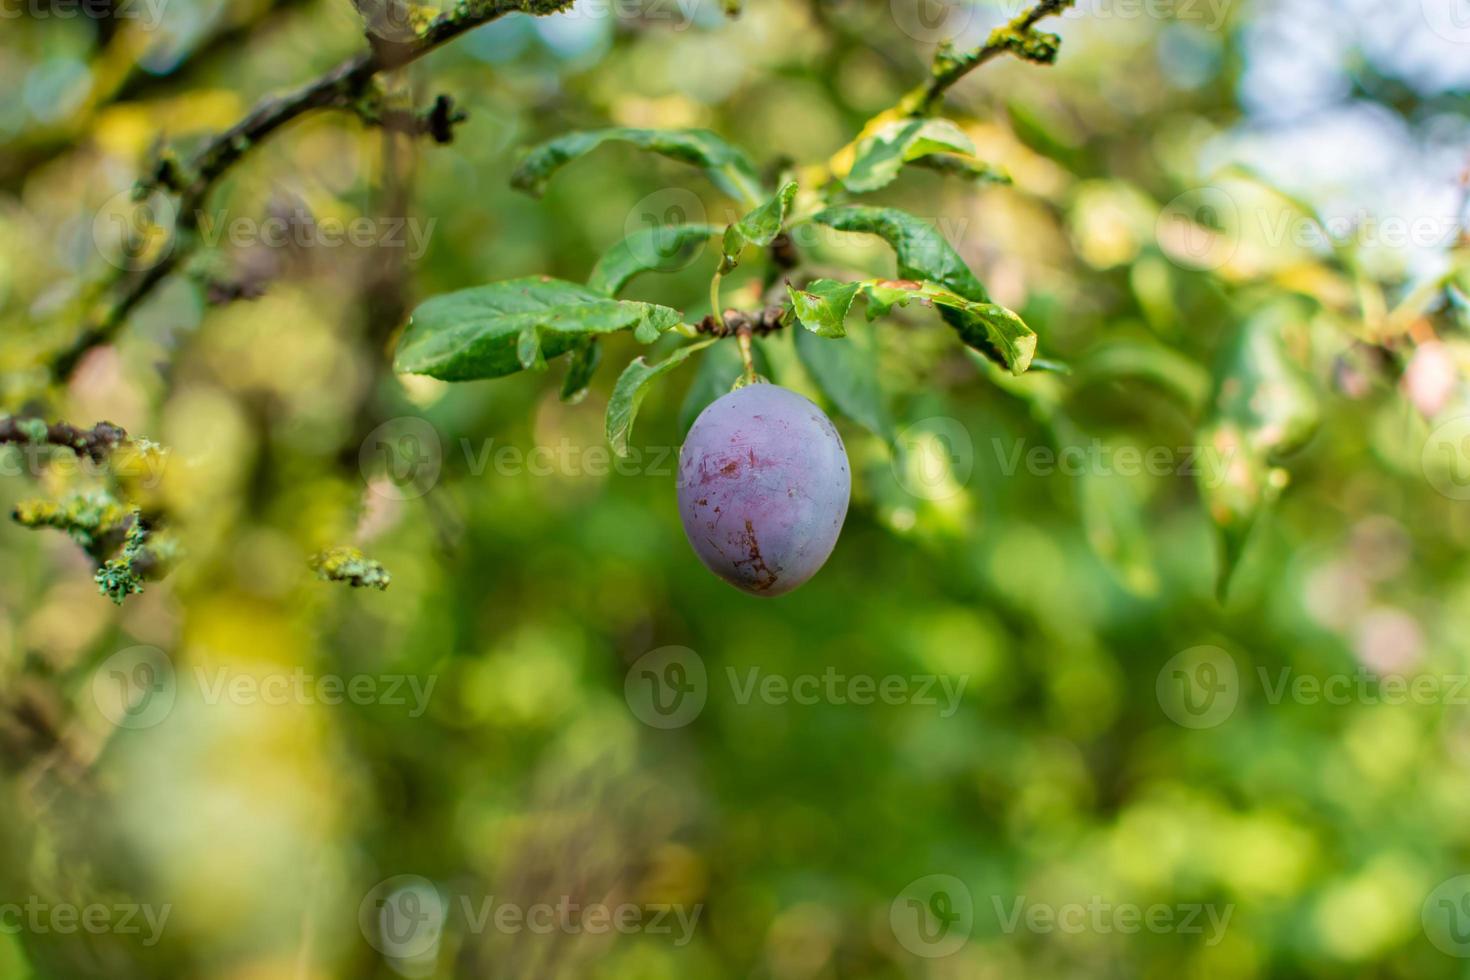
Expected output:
(763, 488)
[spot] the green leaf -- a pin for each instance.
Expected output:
(1143, 360)
(846, 371)
(963, 166)
(760, 227)
(922, 251)
(987, 327)
(582, 366)
(632, 386)
(993, 330)
(1114, 519)
(1263, 409)
(822, 307)
(528, 348)
(658, 248)
(727, 166)
(923, 254)
(498, 329)
(878, 158)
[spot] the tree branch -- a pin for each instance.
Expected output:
(94, 443)
(1017, 37)
(339, 88)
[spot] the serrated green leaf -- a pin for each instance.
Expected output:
(727, 165)
(846, 371)
(760, 227)
(878, 158)
(987, 327)
(922, 251)
(658, 248)
(923, 254)
(993, 330)
(494, 330)
(1263, 409)
(581, 367)
(822, 307)
(632, 386)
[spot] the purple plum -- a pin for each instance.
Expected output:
(763, 488)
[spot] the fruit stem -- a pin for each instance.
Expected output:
(714, 299)
(742, 337)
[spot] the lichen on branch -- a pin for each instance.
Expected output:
(343, 87)
(349, 565)
(94, 443)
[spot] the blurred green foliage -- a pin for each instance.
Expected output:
(1001, 541)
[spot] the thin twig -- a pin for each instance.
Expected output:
(339, 88)
(94, 443)
(1017, 37)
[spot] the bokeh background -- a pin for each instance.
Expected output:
(1123, 739)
